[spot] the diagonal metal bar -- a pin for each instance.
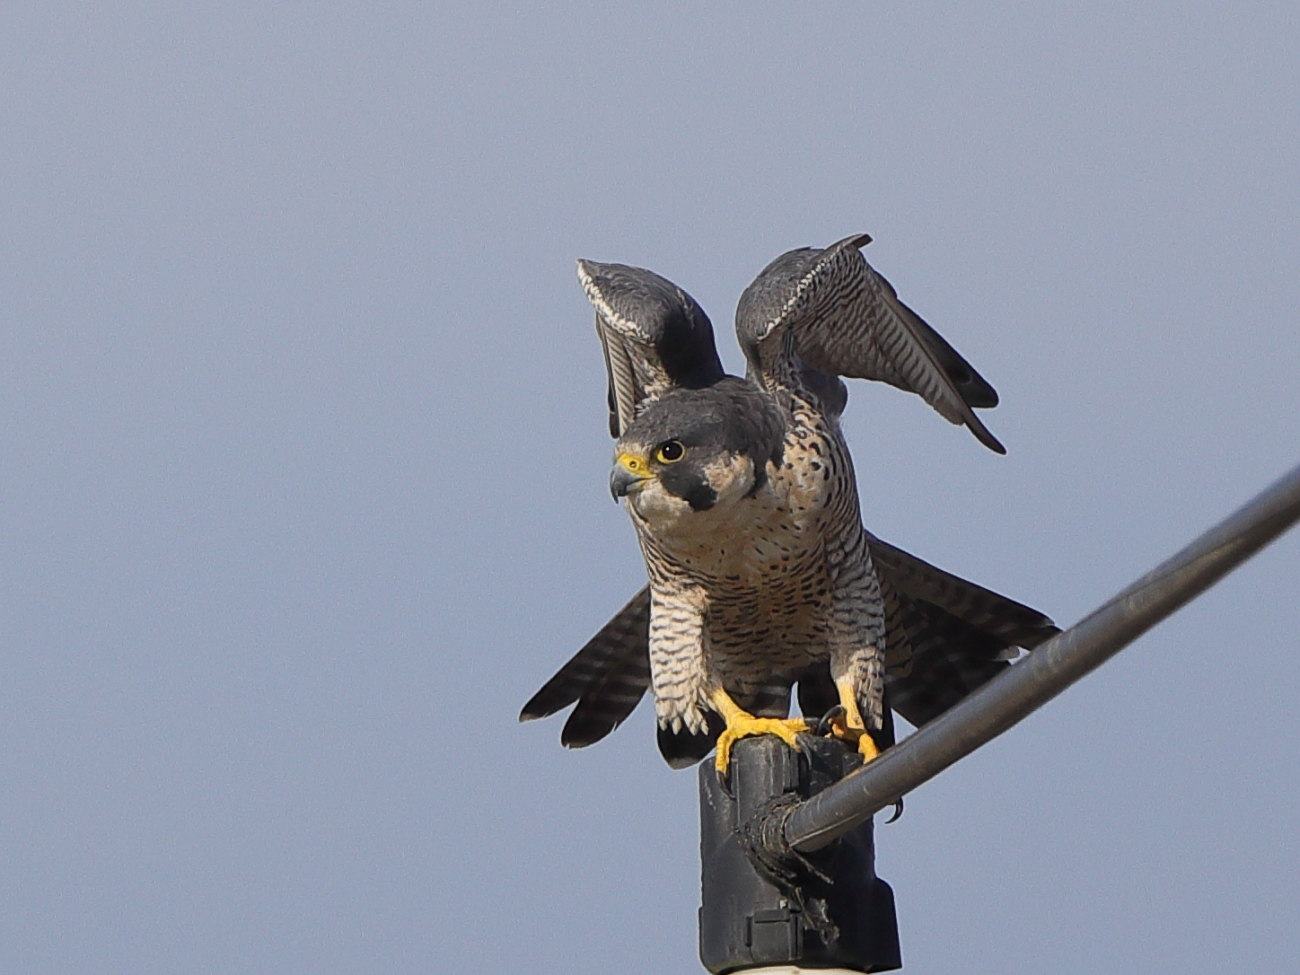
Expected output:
(1048, 671)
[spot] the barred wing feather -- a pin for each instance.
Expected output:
(847, 320)
(654, 335)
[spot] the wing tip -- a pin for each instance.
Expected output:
(586, 730)
(533, 712)
(552, 698)
(995, 445)
(982, 433)
(857, 241)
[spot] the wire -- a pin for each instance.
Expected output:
(1047, 671)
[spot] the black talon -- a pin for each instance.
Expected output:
(898, 811)
(824, 725)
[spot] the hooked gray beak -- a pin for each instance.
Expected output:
(621, 480)
(628, 473)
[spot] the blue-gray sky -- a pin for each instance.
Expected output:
(302, 477)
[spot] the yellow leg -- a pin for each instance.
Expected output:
(742, 724)
(850, 726)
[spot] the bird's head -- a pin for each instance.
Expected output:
(694, 450)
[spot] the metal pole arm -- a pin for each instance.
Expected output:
(1047, 671)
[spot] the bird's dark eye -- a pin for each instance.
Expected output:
(669, 452)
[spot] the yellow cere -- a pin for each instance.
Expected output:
(635, 464)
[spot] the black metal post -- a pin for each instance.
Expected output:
(761, 905)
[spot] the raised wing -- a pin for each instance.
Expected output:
(654, 335)
(847, 320)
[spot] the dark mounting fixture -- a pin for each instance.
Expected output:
(765, 904)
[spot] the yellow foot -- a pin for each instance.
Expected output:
(843, 730)
(867, 746)
(745, 725)
(742, 724)
(848, 725)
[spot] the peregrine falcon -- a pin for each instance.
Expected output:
(744, 502)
